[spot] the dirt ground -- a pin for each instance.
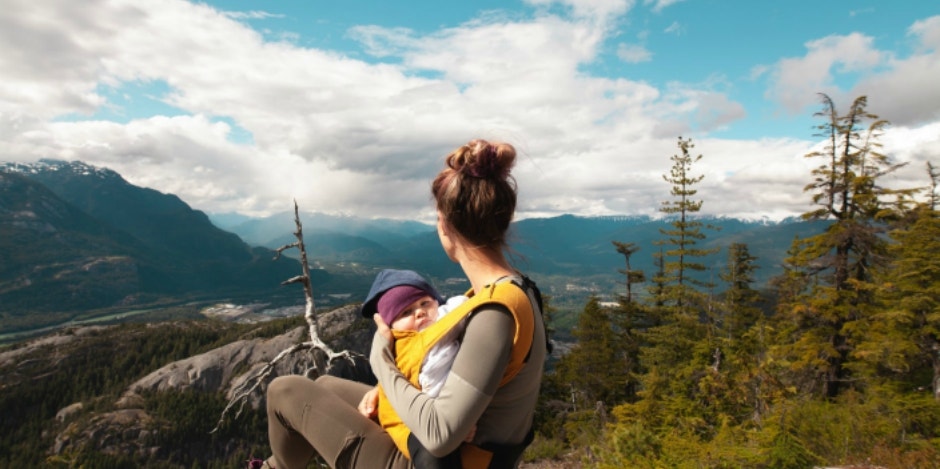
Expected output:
(551, 464)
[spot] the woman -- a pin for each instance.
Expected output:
(476, 199)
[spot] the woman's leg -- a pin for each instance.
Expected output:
(321, 416)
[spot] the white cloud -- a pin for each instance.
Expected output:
(798, 80)
(341, 134)
(907, 92)
(912, 146)
(674, 28)
(596, 9)
(659, 5)
(251, 15)
(862, 11)
(928, 30)
(633, 53)
(900, 89)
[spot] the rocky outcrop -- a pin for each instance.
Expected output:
(214, 370)
(128, 429)
(227, 367)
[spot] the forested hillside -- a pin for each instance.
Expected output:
(77, 240)
(75, 376)
(835, 364)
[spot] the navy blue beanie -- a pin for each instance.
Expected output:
(390, 278)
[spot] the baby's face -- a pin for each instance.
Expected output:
(418, 315)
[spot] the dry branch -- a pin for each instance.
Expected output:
(315, 345)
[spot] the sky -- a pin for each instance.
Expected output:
(349, 108)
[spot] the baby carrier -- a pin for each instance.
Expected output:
(412, 346)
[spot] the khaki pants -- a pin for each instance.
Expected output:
(320, 416)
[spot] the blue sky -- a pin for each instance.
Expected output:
(349, 107)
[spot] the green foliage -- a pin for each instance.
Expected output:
(186, 419)
(591, 368)
(786, 451)
(839, 368)
(543, 449)
(855, 427)
(902, 338)
(739, 310)
(681, 255)
(827, 316)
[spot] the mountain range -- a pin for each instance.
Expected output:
(567, 251)
(76, 239)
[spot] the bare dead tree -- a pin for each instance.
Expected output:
(323, 355)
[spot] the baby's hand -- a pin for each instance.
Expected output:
(369, 402)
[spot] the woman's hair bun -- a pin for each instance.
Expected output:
(484, 160)
(475, 193)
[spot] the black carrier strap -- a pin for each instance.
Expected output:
(506, 456)
(529, 285)
(422, 459)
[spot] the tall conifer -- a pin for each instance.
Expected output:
(902, 340)
(593, 368)
(679, 346)
(824, 317)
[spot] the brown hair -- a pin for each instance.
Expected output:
(475, 193)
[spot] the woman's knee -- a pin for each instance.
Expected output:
(285, 389)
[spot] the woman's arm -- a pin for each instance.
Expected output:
(442, 423)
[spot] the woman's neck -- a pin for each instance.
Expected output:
(484, 266)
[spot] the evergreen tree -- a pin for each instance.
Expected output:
(933, 194)
(681, 256)
(679, 346)
(903, 338)
(824, 318)
(740, 299)
(632, 318)
(632, 276)
(742, 340)
(658, 288)
(593, 368)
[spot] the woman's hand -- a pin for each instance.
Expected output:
(473, 432)
(370, 401)
(382, 328)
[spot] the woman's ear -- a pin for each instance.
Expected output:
(441, 225)
(445, 235)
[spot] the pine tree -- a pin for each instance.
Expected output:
(593, 368)
(742, 340)
(905, 333)
(632, 276)
(679, 346)
(657, 289)
(825, 317)
(632, 318)
(685, 232)
(933, 194)
(740, 299)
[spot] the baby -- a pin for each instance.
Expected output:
(407, 302)
(416, 310)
